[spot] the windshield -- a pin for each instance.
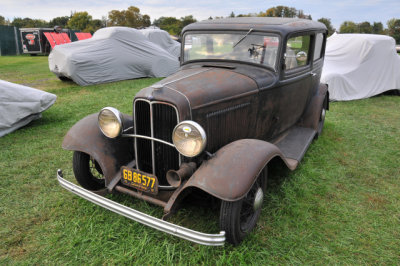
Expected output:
(255, 48)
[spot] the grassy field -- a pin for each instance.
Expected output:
(341, 206)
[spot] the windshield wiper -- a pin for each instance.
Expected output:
(243, 38)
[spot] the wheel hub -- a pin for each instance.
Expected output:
(258, 199)
(323, 114)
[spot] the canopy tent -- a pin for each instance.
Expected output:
(19, 105)
(359, 66)
(56, 38)
(83, 35)
(112, 54)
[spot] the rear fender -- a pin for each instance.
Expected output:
(312, 114)
(85, 136)
(230, 174)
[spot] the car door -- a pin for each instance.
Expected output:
(295, 86)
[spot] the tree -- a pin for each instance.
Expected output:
(271, 12)
(365, 27)
(129, 18)
(300, 14)
(2, 20)
(29, 23)
(94, 25)
(59, 21)
(80, 21)
(188, 20)
(173, 25)
(377, 28)
(232, 15)
(328, 24)
(348, 27)
(146, 20)
(170, 24)
(394, 29)
(284, 11)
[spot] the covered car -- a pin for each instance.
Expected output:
(19, 105)
(112, 54)
(359, 66)
(162, 38)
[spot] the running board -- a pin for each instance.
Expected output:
(170, 228)
(295, 143)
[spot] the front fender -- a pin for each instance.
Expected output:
(111, 154)
(230, 174)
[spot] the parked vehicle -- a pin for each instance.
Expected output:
(248, 91)
(42, 40)
(360, 66)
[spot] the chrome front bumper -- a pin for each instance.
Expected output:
(173, 229)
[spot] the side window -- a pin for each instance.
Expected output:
(319, 40)
(297, 49)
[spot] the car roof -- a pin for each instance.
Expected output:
(280, 25)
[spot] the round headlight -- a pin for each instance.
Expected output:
(189, 138)
(110, 122)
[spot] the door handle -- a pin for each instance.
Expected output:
(313, 74)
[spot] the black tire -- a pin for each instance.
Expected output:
(87, 171)
(238, 218)
(62, 78)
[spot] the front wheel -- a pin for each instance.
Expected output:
(238, 218)
(87, 171)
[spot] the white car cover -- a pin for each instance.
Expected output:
(19, 105)
(359, 66)
(163, 39)
(112, 54)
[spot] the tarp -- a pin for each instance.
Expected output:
(112, 54)
(162, 38)
(19, 105)
(359, 66)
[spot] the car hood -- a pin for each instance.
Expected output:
(201, 86)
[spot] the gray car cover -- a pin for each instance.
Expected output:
(163, 39)
(19, 105)
(358, 66)
(112, 54)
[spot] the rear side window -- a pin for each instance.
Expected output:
(297, 49)
(319, 40)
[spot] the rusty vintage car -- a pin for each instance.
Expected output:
(248, 91)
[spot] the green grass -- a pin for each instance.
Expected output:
(341, 206)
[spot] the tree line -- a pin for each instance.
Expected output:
(131, 17)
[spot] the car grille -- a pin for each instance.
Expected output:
(156, 120)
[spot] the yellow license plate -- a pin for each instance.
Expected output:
(140, 180)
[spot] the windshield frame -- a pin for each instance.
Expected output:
(237, 32)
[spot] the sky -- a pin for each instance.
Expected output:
(337, 10)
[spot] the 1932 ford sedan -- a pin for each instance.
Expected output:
(248, 91)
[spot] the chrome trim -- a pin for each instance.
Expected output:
(126, 129)
(152, 135)
(153, 163)
(170, 228)
(149, 138)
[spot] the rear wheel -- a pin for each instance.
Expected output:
(238, 218)
(87, 171)
(62, 78)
